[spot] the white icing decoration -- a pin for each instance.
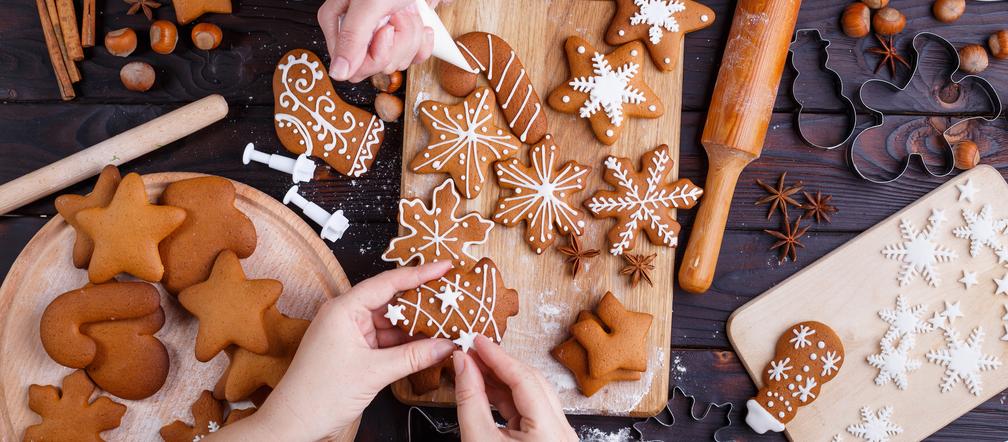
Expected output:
(581, 50)
(937, 321)
(801, 336)
(565, 99)
(760, 420)
(1002, 285)
(967, 191)
(465, 340)
(659, 15)
(449, 298)
(894, 363)
(830, 362)
(952, 311)
(904, 320)
(608, 89)
(875, 427)
(969, 279)
(918, 252)
(705, 18)
(805, 391)
(963, 360)
(981, 229)
(779, 369)
(394, 313)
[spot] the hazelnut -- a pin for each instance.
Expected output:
(973, 59)
(121, 42)
(876, 4)
(207, 36)
(388, 83)
(967, 155)
(163, 37)
(888, 21)
(388, 107)
(999, 43)
(137, 76)
(856, 20)
(948, 11)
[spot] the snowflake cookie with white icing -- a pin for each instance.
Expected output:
(643, 201)
(875, 426)
(459, 306)
(605, 88)
(660, 24)
(963, 360)
(919, 251)
(807, 356)
(894, 361)
(982, 230)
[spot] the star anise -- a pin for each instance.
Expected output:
(576, 255)
(780, 196)
(788, 240)
(148, 7)
(638, 267)
(818, 207)
(889, 55)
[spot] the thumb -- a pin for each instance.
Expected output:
(475, 420)
(403, 360)
(356, 31)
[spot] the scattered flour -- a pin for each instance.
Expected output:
(420, 98)
(591, 434)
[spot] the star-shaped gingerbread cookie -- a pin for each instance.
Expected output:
(127, 232)
(660, 24)
(249, 371)
(231, 309)
(70, 414)
(189, 10)
(620, 344)
(70, 205)
(605, 88)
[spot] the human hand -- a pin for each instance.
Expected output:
(349, 353)
(519, 392)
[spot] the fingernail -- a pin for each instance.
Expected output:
(443, 348)
(458, 360)
(340, 69)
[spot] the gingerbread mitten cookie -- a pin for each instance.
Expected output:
(540, 196)
(312, 119)
(618, 342)
(212, 224)
(605, 88)
(572, 355)
(505, 72)
(643, 201)
(70, 205)
(70, 414)
(248, 372)
(660, 24)
(458, 306)
(463, 141)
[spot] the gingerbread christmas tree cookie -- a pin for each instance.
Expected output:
(70, 414)
(540, 195)
(463, 141)
(660, 24)
(605, 88)
(69, 206)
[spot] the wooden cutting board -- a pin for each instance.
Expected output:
(846, 290)
(287, 250)
(550, 300)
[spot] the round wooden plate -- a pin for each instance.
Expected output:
(288, 250)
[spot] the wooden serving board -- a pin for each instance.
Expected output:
(550, 300)
(287, 250)
(846, 290)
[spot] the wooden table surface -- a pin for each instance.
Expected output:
(36, 128)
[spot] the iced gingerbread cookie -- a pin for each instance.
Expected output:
(572, 355)
(70, 414)
(660, 24)
(312, 119)
(605, 88)
(618, 341)
(248, 372)
(70, 205)
(463, 141)
(208, 417)
(806, 357)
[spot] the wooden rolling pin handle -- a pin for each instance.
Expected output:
(117, 150)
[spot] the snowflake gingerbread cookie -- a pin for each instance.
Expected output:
(438, 232)
(963, 360)
(310, 118)
(463, 141)
(539, 195)
(660, 24)
(875, 426)
(919, 251)
(459, 306)
(643, 200)
(605, 88)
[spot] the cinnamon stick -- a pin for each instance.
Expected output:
(88, 24)
(55, 54)
(58, 31)
(68, 24)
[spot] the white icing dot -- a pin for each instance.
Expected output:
(609, 132)
(813, 356)
(621, 32)
(430, 323)
(781, 415)
(634, 53)
(581, 49)
(652, 108)
(798, 378)
(454, 328)
(704, 18)
(769, 404)
(821, 344)
(472, 312)
(805, 369)
(565, 99)
(482, 319)
(667, 60)
(405, 321)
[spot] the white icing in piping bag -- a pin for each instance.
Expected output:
(333, 225)
(302, 169)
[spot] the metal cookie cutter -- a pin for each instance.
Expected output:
(838, 83)
(879, 116)
(693, 400)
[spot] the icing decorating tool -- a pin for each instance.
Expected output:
(117, 150)
(333, 224)
(301, 169)
(737, 122)
(838, 82)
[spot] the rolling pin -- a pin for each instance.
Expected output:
(117, 150)
(737, 122)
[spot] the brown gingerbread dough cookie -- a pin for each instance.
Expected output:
(69, 414)
(572, 355)
(213, 224)
(130, 362)
(69, 205)
(622, 344)
(189, 10)
(429, 379)
(248, 372)
(660, 24)
(208, 417)
(127, 232)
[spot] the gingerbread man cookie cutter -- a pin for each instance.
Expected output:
(838, 82)
(641, 431)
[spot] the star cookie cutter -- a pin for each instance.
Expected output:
(838, 83)
(638, 426)
(948, 150)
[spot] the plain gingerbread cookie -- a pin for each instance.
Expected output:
(69, 206)
(572, 355)
(70, 414)
(618, 342)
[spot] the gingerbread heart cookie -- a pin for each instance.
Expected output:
(312, 119)
(69, 206)
(660, 24)
(618, 341)
(248, 372)
(70, 414)
(212, 224)
(572, 355)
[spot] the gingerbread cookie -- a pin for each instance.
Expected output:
(660, 24)
(312, 119)
(69, 205)
(429, 379)
(189, 10)
(807, 356)
(506, 74)
(231, 309)
(248, 372)
(643, 200)
(618, 342)
(213, 224)
(540, 195)
(130, 362)
(127, 232)
(460, 305)
(208, 417)
(463, 141)
(605, 88)
(437, 232)
(70, 415)
(572, 355)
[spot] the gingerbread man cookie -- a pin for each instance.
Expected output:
(660, 24)
(618, 341)
(70, 205)
(248, 372)
(605, 88)
(463, 141)
(572, 355)
(70, 414)
(312, 119)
